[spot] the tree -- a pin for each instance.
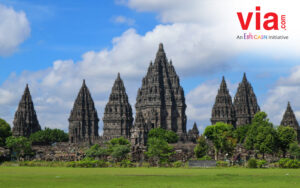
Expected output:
(261, 135)
(5, 131)
(158, 150)
(221, 134)
(240, 133)
(119, 148)
(19, 145)
(286, 136)
(49, 136)
(294, 150)
(201, 148)
(120, 152)
(168, 136)
(96, 151)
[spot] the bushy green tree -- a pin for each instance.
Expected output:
(240, 133)
(158, 150)
(168, 136)
(5, 131)
(221, 134)
(294, 150)
(97, 151)
(262, 136)
(19, 145)
(201, 148)
(286, 136)
(49, 136)
(118, 148)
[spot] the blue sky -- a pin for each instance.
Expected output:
(72, 40)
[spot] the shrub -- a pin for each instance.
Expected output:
(261, 163)
(97, 151)
(222, 164)
(289, 163)
(205, 158)
(125, 163)
(252, 163)
(201, 148)
(178, 164)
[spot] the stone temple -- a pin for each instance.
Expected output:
(161, 99)
(289, 119)
(245, 103)
(83, 121)
(223, 110)
(243, 108)
(117, 117)
(25, 121)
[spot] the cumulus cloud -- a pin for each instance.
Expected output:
(14, 29)
(286, 89)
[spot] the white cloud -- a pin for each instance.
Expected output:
(14, 29)
(286, 89)
(124, 20)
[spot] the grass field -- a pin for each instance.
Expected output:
(147, 177)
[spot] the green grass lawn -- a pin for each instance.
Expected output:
(147, 177)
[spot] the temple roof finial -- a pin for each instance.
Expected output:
(161, 47)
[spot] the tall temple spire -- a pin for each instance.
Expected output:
(25, 121)
(223, 110)
(289, 119)
(161, 98)
(245, 103)
(83, 121)
(117, 117)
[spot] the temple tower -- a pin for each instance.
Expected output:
(83, 121)
(193, 134)
(223, 110)
(161, 98)
(25, 121)
(117, 117)
(289, 119)
(245, 103)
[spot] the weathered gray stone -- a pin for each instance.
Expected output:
(223, 110)
(25, 121)
(83, 121)
(117, 117)
(193, 134)
(245, 103)
(161, 98)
